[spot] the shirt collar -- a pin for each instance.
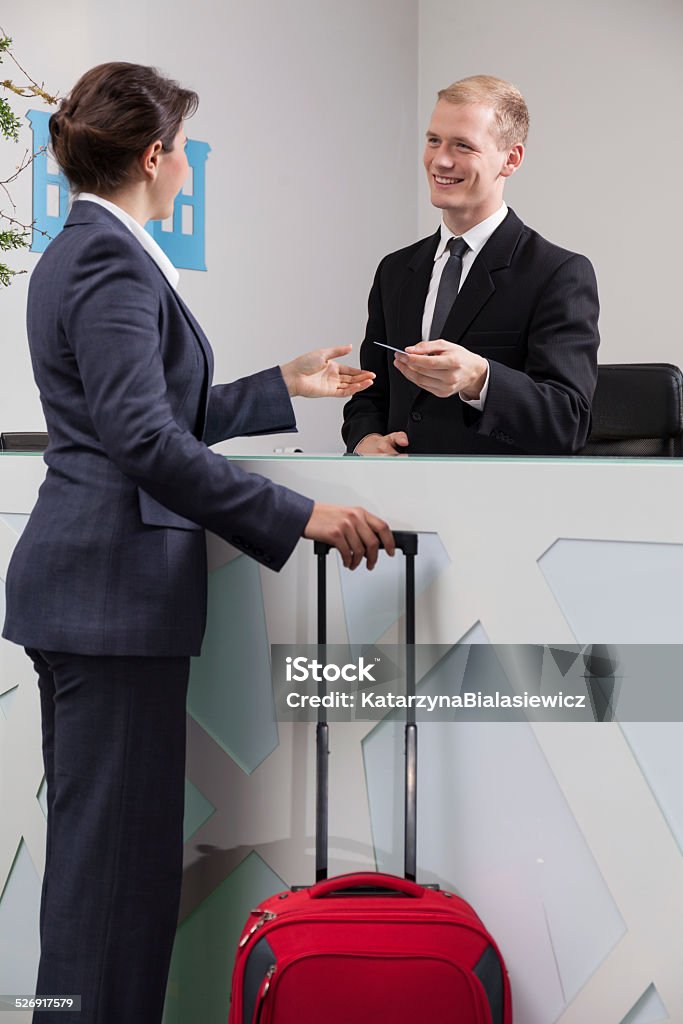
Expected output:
(476, 237)
(143, 237)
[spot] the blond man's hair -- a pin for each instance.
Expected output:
(510, 112)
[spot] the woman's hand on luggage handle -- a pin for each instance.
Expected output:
(316, 375)
(354, 532)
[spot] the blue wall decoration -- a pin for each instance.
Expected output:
(43, 181)
(184, 243)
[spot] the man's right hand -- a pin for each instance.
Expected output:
(354, 532)
(382, 444)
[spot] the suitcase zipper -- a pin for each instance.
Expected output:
(266, 915)
(271, 971)
(256, 1019)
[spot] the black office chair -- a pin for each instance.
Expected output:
(35, 442)
(637, 411)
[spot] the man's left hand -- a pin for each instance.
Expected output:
(444, 369)
(316, 375)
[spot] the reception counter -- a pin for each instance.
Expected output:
(567, 838)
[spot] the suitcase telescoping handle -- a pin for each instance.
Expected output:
(366, 880)
(407, 543)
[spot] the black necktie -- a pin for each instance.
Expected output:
(448, 285)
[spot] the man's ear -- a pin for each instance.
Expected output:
(514, 160)
(149, 160)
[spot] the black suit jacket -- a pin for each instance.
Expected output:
(528, 307)
(113, 558)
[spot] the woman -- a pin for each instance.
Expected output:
(107, 585)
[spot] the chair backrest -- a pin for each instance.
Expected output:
(637, 411)
(35, 442)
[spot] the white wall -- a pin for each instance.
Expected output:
(310, 110)
(315, 113)
(603, 82)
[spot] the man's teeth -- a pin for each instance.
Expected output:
(446, 181)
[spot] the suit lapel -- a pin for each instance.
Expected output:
(476, 290)
(412, 297)
(199, 334)
(414, 292)
(479, 284)
(207, 352)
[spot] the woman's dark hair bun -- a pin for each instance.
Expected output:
(112, 114)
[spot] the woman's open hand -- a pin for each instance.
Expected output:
(316, 375)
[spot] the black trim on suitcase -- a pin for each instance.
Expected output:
(490, 974)
(407, 543)
(261, 959)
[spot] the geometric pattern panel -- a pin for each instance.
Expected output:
(491, 822)
(648, 1010)
(616, 592)
(564, 657)
(41, 797)
(475, 635)
(205, 944)
(374, 601)
(494, 826)
(7, 700)
(19, 916)
(197, 810)
(230, 692)
(15, 520)
(658, 749)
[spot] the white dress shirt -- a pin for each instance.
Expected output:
(476, 238)
(143, 237)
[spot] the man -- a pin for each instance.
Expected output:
(507, 360)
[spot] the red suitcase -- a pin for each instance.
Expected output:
(368, 948)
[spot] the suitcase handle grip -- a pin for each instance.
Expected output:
(405, 540)
(371, 879)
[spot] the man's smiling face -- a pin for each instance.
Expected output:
(465, 168)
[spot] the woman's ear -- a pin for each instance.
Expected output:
(149, 160)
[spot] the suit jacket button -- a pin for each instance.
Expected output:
(416, 417)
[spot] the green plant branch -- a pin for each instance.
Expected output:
(28, 91)
(17, 235)
(24, 227)
(13, 239)
(26, 161)
(9, 122)
(6, 274)
(35, 89)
